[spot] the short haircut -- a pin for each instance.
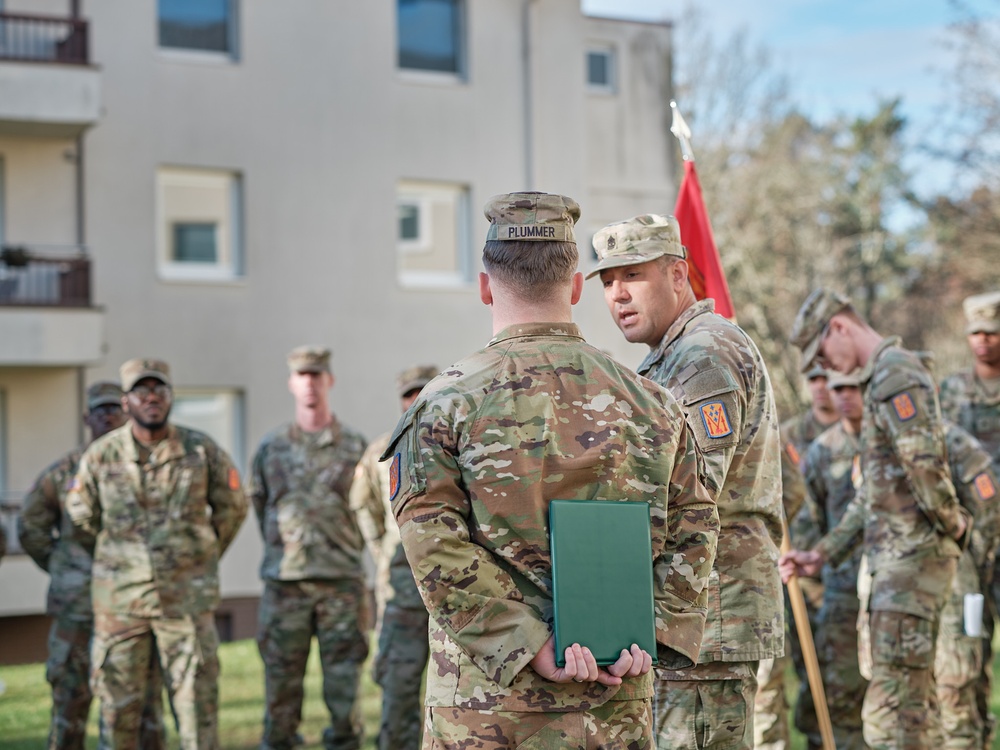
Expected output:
(531, 270)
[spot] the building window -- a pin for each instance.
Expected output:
(430, 35)
(198, 220)
(601, 69)
(432, 236)
(198, 25)
(217, 413)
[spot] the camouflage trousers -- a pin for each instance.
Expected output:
(984, 684)
(707, 707)
(68, 672)
(957, 669)
(627, 725)
(837, 652)
(291, 613)
(770, 712)
(126, 652)
(399, 671)
(900, 710)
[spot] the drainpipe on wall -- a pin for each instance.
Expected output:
(527, 108)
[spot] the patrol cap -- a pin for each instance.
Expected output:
(983, 313)
(807, 331)
(840, 380)
(415, 377)
(816, 371)
(103, 392)
(136, 369)
(637, 240)
(309, 358)
(531, 217)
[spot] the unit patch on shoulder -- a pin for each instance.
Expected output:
(903, 406)
(234, 479)
(984, 486)
(394, 477)
(716, 419)
(793, 453)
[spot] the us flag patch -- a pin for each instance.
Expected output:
(792, 453)
(394, 477)
(903, 406)
(716, 419)
(984, 486)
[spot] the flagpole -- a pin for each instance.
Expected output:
(682, 132)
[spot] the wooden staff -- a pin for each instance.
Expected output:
(801, 617)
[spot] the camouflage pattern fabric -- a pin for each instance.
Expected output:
(770, 712)
(158, 521)
(709, 706)
(291, 612)
(402, 618)
(313, 575)
(536, 415)
(615, 724)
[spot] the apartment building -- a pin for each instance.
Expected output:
(216, 182)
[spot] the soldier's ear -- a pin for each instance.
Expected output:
(577, 290)
(679, 273)
(485, 293)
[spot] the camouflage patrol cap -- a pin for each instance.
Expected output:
(850, 379)
(637, 240)
(136, 369)
(807, 331)
(983, 313)
(533, 217)
(309, 358)
(415, 377)
(816, 371)
(103, 392)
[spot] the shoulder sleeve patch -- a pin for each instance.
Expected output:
(903, 405)
(394, 476)
(984, 486)
(716, 419)
(793, 453)
(234, 479)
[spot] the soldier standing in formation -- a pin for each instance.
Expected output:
(402, 617)
(717, 374)
(914, 527)
(158, 504)
(312, 568)
(536, 415)
(46, 535)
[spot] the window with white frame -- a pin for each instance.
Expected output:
(202, 26)
(430, 35)
(601, 68)
(432, 234)
(198, 224)
(217, 413)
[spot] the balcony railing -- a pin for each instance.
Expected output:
(46, 39)
(51, 277)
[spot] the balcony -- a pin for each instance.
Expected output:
(48, 86)
(46, 317)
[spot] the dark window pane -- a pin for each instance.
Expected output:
(598, 68)
(429, 34)
(195, 243)
(195, 24)
(409, 222)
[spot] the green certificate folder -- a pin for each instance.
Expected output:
(602, 577)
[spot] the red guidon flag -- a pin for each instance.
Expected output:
(704, 265)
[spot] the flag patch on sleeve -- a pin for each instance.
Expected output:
(985, 487)
(903, 406)
(716, 419)
(234, 479)
(394, 477)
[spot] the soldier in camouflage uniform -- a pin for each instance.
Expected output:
(914, 527)
(971, 399)
(832, 470)
(717, 374)
(402, 617)
(46, 534)
(312, 568)
(158, 504)
(537, 415)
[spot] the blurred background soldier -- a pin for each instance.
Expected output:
(971, 399)
(402, 617)
(717, 374)
(312, 568)
(46, 534)
(159, 504)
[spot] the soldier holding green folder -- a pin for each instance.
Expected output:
(539, 415)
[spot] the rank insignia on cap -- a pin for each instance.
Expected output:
(394, 477)
(234, 479)
(984, 486)
(716, 419)
(793, 453)
(903, 406)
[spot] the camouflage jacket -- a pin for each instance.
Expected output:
(46, 534)
(159, 527)
(299, 486)
(833, 474)
(717, 374)
(908, 508)
(967, 402)
(370, 501)
(539, 415)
